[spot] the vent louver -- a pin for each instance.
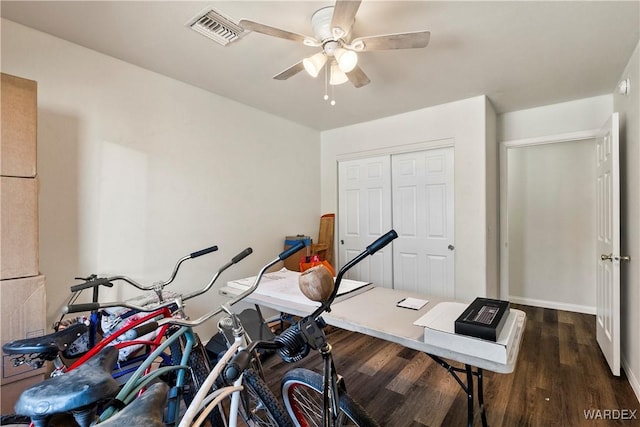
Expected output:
(214, 25)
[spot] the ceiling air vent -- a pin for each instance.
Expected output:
(216, 26)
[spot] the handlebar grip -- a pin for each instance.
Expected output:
(92, 283)
(139, 331)
(242, 255)
(196, 254)
(292, 250)
(381, 242)
(76, 308)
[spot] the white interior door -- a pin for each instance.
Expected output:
(608, 243)
(364, 214)
(423, 217)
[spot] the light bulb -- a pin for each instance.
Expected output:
(337, 76)
(333, 102)
(314, 63)
(347, 59)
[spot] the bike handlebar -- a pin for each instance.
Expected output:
(374, 247)
(226, 307)
(381, 242)
(78, 308)
(94, 281)
(201, 252)
(74, 308)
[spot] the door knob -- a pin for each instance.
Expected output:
(451, 247)
(612, 257)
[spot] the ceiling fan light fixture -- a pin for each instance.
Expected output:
(337, 77)
(314, 63)
(347, 59)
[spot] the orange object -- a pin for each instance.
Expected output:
(311, 261)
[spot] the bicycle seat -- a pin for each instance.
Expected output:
(84, 386)
(48, 346)
(145, 410)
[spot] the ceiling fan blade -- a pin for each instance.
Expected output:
(357, 77)
(411, 40)
(344, 13)
(291, 71)
(277, 32)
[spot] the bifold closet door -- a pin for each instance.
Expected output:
(412, 193)
(423, 216)
(364, 214)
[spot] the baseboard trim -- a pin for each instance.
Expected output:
(633, 380)
(553, 304)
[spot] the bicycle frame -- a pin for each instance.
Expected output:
(208, 403)
(143, 377)
(155, 315)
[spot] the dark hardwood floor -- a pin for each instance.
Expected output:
(560, 376)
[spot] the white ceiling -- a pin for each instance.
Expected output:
(520, 54)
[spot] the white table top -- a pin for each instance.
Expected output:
(374, 312)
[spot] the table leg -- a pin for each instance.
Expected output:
(468, 387)
(469, 391)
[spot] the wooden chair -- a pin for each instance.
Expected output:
(324, 246)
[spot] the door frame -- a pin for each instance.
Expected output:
(505, 146)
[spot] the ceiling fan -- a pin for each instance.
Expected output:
(339, 51)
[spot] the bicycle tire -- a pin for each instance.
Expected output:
(200, 368)
(259, 407)
(302, 395)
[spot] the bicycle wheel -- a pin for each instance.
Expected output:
(259, 407)
(302, 395)
(200, 368)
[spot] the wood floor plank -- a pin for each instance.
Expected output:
(408, 376)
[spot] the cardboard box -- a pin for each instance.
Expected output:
(10, 392)
(439, 331)
(293, 262)
(18, 135)
(18, 227)
(23, 315)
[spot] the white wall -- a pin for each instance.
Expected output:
(465, 123)
(552, 235)
(629, 108)
(566, 117)
(137, 169)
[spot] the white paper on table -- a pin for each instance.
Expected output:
(283, 284)
(412, 303)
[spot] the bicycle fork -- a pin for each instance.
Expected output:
(333, 384)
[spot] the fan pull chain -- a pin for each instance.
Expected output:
(326, 83)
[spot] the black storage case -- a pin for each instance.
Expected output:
(484, 318)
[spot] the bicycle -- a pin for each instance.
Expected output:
(79, 340)
(249, 396)
(186, 353)
(140, 380)
(256, 404)
(310, 398)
